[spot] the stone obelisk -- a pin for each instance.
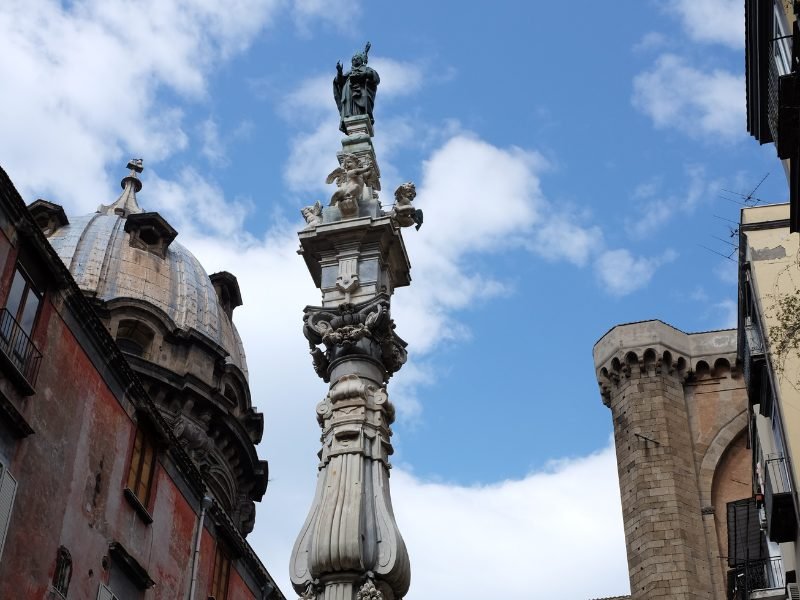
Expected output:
(350, 547)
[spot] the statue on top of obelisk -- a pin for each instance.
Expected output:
(355, 90)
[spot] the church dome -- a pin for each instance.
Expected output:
(98, 251)
(110, 257)
(174, 323)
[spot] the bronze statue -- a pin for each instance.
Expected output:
(354, 91)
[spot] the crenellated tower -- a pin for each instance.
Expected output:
(350, 547)
(679, 411)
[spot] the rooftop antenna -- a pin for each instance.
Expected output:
(746, 199)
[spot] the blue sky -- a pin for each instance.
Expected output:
(571, 163)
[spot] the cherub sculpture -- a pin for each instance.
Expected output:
(312, 215)
(404, 212)
(351, 178)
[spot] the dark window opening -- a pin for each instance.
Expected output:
(134, 337)
(63, 572)
(230, 394)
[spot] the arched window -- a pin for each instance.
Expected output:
(230, 394)
(134, 337)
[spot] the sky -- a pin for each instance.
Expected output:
(578, 165)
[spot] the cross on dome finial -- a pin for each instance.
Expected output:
(126, 204)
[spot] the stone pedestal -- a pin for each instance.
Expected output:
(350, 547)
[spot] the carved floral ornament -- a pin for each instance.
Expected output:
(366, 329)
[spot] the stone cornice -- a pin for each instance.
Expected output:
(654, 345)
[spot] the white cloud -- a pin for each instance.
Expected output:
(493, 541)
(562, 238)
(621, 273)
(86, 78)
(655, 208)
(213, 148)
(712, 21)
(650, 41)
(707, 105)
(726, 313)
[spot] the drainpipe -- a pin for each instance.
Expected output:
(205, 504)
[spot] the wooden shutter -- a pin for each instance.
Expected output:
(745, 539)
(8, 489)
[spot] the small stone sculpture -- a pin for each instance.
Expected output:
(404, 212)
(368, 591)
(312, 215)
(355, 90)
(351, 178)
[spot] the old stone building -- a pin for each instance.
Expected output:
(679, 409)
(128, 467)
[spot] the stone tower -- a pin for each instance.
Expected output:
(350, 547)
(679, 411)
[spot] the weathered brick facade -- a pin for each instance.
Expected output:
(67, 432)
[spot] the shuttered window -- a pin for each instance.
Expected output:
(140, 474)
(746, 541)
(222, 573)
(8, 489)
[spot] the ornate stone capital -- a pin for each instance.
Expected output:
(363, 330)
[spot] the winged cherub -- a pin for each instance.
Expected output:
(351, 178)
(312, 215)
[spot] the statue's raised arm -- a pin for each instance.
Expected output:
(354, 91)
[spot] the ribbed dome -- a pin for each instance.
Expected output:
(98, 251)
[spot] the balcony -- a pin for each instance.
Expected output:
(778, 501)
(18, 353)
(761, 579)
(751, 347)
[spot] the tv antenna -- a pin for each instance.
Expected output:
(745, 199)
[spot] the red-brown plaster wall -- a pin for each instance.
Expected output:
(71, 474)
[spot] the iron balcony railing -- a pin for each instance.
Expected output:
(754, 575)
(18, 348)
(778, 501)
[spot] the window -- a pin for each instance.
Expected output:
(17, 320)
(8, 489)
(781, 49)
(23, 301)
(140, 474)
(63, 572)
(222, 573)
(134, 337)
